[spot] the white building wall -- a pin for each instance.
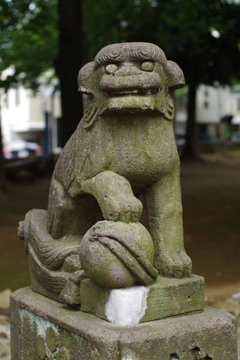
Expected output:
(233, 107)
(15, 112)
(211, 104)
(38, 105)
(23, 113)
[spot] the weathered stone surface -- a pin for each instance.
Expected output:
(123, 149)
(165, 298)
(45, 329)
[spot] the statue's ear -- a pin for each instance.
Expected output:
(87, 86)
(174, 76)
(167, 107)
(85, 79)
(174, 79)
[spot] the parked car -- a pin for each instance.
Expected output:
(207, 139)
(21, 149)
(180, 137)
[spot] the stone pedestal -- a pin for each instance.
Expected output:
(45, 329)
(130, 306)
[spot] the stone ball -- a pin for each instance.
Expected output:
(118, 255)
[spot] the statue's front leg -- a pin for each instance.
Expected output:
(115, 197)
(164, 208)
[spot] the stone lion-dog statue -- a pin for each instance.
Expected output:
(123, 150)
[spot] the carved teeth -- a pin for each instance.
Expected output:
(134, 92)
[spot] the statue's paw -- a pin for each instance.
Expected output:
(71, 292)
(72, 263)
(175, 264)
(125, 208)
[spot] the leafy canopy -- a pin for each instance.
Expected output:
(28, 40)
(202, 36)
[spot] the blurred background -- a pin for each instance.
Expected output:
(43, 45)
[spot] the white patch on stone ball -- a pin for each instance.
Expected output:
(126, 306)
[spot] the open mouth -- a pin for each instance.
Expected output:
(118, 93)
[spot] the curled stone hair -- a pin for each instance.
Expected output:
(134, 51)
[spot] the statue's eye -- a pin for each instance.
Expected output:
(147, 66)
(111, 68)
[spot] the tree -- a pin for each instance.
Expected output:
(28, 40)
(49, 33)
(2, 170)
(208, 51)
(202, 36)
(185, 29)
(28, 43)
(71, 57)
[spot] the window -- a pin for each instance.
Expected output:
(235, 89)
(206, 104)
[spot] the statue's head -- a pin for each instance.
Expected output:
(129, 78)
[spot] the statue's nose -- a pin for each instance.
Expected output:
(128, 69)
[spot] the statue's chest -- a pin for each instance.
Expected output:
(142, 148)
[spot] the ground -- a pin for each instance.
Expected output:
(211, 203)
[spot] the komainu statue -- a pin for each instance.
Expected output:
(121, 158)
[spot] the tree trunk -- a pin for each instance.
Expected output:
(70, 60)
(190, 148)
(3, 186)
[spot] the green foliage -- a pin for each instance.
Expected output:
(28, 39)
(187, 30)
(202, 36)
(183, 28)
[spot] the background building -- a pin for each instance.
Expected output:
(218, 111)
(31, 117)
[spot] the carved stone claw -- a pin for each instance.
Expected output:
(123, 208)
(176, 265)
(71, 293)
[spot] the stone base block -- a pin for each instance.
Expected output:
(45, 329)
(131, 306)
